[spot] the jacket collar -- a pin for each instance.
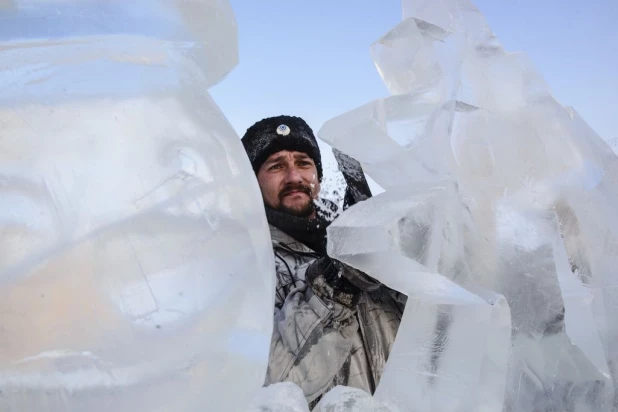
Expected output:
(309, 232)
(282, 239)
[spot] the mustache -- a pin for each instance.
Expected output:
(295, 188)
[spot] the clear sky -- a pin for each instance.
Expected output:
(310, 58)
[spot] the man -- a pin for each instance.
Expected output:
(333, 325)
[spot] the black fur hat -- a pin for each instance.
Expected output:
(273, 134)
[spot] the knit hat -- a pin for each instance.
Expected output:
(273, 134)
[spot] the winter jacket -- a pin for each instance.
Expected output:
(318, 343)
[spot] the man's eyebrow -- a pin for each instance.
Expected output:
(275, 159)
(302, 156)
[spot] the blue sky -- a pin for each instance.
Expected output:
(311, 57)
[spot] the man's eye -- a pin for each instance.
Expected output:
(275, 167)
(304, 163)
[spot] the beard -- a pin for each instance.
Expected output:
(304, 210)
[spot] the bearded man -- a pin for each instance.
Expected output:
(333, 325)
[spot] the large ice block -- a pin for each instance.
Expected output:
(556, 343)
(409, 238)
(533, 204)
(452, 347)
(135, 270)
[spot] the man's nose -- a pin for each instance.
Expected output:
(293, 175)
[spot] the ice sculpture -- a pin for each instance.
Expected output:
(494, 187)
(135, 269)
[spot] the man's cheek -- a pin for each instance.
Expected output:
(315, 191)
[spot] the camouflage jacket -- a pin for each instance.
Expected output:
(317, 343)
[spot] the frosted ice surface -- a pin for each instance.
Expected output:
(529, 214)
(279, 397)
(391, 140)
(440, 13)
(412, 58)
(345, 399)
(416, 70)
(459, 17)
(414, 237)
(95, 30)
(135, 272)
(555, 341)
(613, 144)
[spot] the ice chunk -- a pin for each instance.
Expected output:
(459, 17)
(412, 58)
(452, 346)
(135, 274)
(406, 237)
(389, 135)
(531, 216)
(279, 397)
(556, 343)
(144, 35)
(406, 60)
(441, 13)
(345, 399)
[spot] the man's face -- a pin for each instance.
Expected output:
(289, 183)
